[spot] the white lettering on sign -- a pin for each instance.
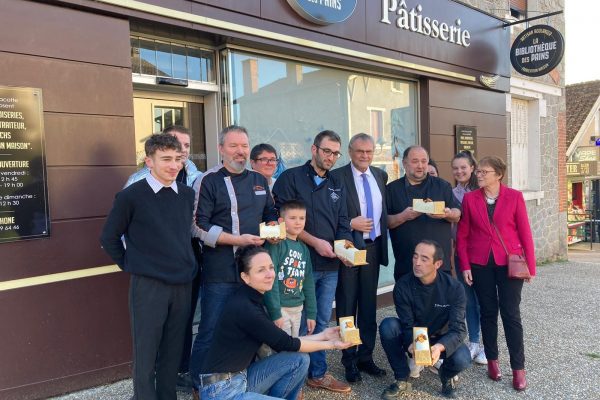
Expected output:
(413, 20)
(336, 4)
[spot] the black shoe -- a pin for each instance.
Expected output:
(353, 374)
(370, 368)
(184, 382)
(449, 388)
(396, 389)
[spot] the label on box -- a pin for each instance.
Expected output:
(427, 206)
(421, 348)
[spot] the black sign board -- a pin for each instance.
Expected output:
(537, 50)
(324, 12)
(466, 138)
(23, 192)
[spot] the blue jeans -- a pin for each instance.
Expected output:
(213, 297)
(325, 286)
(280, 376)
(472, 309)
(391, 341)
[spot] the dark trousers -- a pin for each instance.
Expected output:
(496, 291)
(158, 312)
(184, 364)
(356, 295)
(390, 332)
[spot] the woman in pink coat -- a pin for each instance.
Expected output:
(483, 261)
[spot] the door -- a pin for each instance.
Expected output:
(155, 111)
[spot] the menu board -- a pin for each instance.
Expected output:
(23, 190)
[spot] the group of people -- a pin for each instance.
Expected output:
(186, 236)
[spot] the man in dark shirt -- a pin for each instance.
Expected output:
(153, 215)
(407, 226)
(232, 202)
(432, 300)
(326, 221)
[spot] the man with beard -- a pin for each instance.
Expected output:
(232, 202)
(326, 221)
(407, 226)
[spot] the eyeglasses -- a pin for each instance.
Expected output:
(264, 160)
(329, 152)
(483, 172)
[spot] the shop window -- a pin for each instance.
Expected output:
(159, 58)
(525, 144)
(286, 103)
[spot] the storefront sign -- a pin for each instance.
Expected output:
(466, 138)
(587, 168)
(586, 153)
(414, 20)
(23, 193)
(537, 50)
(324, 12)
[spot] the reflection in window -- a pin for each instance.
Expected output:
(286, 103)
(153, 57)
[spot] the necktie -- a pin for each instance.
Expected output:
(369, 200)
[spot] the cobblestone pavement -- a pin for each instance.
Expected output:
(562, 343)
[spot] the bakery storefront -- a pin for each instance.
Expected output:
(111, 72)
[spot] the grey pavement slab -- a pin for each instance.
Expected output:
(560, 311)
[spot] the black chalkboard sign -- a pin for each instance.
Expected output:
(537, 50)
(23, 190)
(466, 138)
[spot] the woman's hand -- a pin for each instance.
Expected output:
(332, 333)
(528, 280)
(279, 323)
(339, 345)
(468, 277)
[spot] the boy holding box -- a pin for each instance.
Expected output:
(294, 287)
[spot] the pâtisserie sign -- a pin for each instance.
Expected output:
(23, 193)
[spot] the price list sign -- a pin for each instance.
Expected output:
(23, 190)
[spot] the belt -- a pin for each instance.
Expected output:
(209, 379)
(369, 241)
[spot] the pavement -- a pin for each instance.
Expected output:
(562, 346)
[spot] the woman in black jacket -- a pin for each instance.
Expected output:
(230, 370)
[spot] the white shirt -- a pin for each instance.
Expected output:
(375, 196)
(156, 185)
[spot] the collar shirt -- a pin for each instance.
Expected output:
(157, 186)
(460, 191)
(375, 197)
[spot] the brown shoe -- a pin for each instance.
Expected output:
(328, 382)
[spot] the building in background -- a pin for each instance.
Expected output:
(114, 71)
(583, 154)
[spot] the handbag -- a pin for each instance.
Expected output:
(517, 265)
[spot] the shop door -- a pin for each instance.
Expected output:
(154, 111)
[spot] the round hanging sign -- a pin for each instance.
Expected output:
(537, 50)
(324, 12)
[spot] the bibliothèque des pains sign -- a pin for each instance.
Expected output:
(537, 50)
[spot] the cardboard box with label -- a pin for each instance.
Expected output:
(427, 206)
(350, 253)
(272, 231)
(421, 348)
(348, 331)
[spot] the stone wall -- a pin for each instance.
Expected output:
(547, 215)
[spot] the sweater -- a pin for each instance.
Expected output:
(242, 328)
(156, 227)
(294, 284)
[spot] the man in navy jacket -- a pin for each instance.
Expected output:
(326, 221)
